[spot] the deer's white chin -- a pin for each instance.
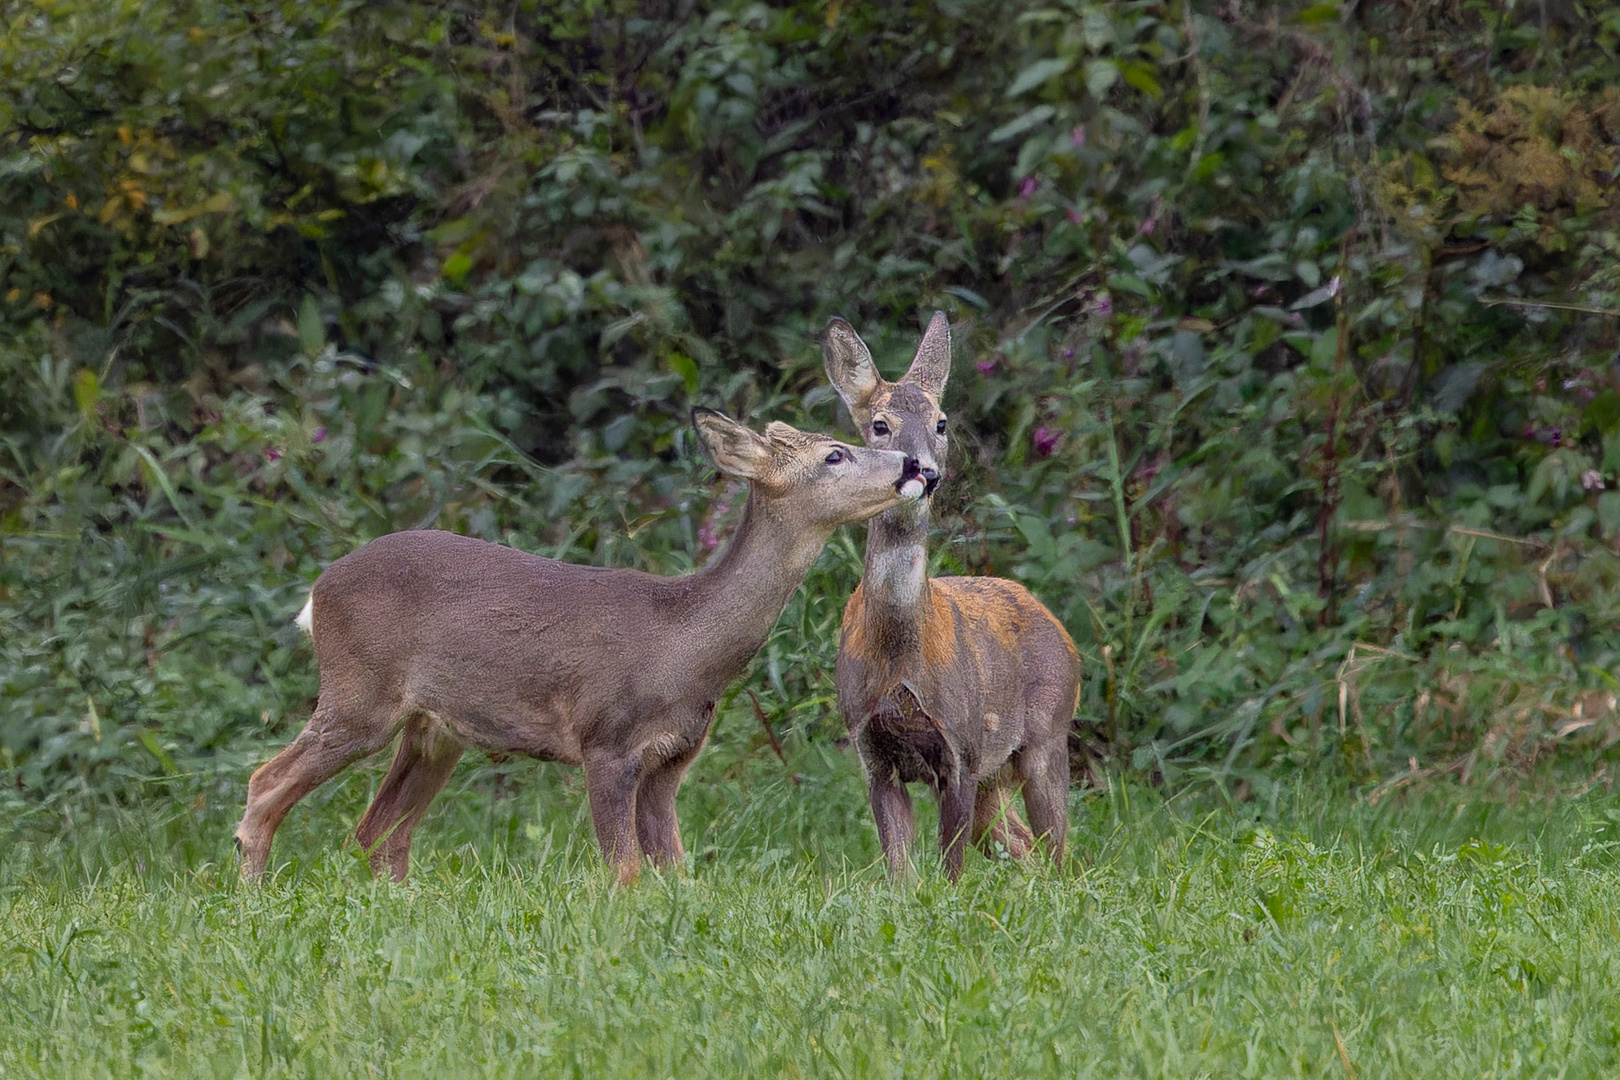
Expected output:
(912, 489)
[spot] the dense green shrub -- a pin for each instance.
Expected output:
(1284, 375)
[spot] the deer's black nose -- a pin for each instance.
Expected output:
(930, 479)
(911, 470)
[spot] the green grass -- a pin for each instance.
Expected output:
(1445, 937)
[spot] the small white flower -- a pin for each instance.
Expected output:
(1592, 480)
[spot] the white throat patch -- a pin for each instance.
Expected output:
(899, 574)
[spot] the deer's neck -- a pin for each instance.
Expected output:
(740, 594)
(894, 587)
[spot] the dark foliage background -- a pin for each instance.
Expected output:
(1286, 355)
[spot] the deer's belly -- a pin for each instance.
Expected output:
(510, 727)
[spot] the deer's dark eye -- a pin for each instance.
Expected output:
(879, 427)
(835, 457)
(939, 428)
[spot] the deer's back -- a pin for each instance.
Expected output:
(424, 587)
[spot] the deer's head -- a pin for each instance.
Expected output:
(902, 415)
(818, 479)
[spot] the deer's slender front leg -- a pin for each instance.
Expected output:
(611, 783)
(955, 820)
(891, 808)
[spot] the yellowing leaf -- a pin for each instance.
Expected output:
(86, 391)
(457, 265)
(1140, 75)
(220, 200)
(687, 369)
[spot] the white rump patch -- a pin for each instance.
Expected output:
(306, 617)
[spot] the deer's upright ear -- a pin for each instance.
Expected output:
(849, 368)
(735, 450)
(932, 365)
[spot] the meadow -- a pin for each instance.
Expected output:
(1309, 934)
(1287, 375)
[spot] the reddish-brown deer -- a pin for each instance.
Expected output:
(967, 684)
(455, 641)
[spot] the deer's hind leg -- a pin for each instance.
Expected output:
(996, 821)
(329, 743)
(1045, 772)
(426, 757)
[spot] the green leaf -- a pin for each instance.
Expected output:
(149, 740)
(1325, 349)
(1608, 509)
(311, 327)
(1037, 534)
(687, 369)
(1602, 414)
(165, 484)
(456, 267)
(1022, 123)
(1130, 283)
(1039, 73)
(1101, 75)
(968, 296)
(1317, 14)
(1139, 74)
(86, 391)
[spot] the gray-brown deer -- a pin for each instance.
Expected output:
(454, 641)
(966, 684)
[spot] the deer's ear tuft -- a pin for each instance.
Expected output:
(849, 368)
(932, 365)
(735, 450)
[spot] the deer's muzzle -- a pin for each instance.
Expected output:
(911, 484)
